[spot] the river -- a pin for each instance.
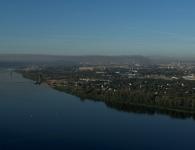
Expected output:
(38, 117)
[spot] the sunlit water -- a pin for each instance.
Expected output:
(38, 117)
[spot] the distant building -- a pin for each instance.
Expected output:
(86, 68)
(189, 77)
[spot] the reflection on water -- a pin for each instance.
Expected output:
(151, 110)
(38, 117)
(7, 77)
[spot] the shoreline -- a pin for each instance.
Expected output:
(121, 105)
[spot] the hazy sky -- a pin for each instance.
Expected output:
(104, 27)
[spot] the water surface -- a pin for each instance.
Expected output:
(38, 117)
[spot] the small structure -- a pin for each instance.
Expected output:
(189, 77)
(86, 68)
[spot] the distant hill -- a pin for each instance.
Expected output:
(90, 60)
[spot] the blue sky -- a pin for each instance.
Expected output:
(103, 27)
